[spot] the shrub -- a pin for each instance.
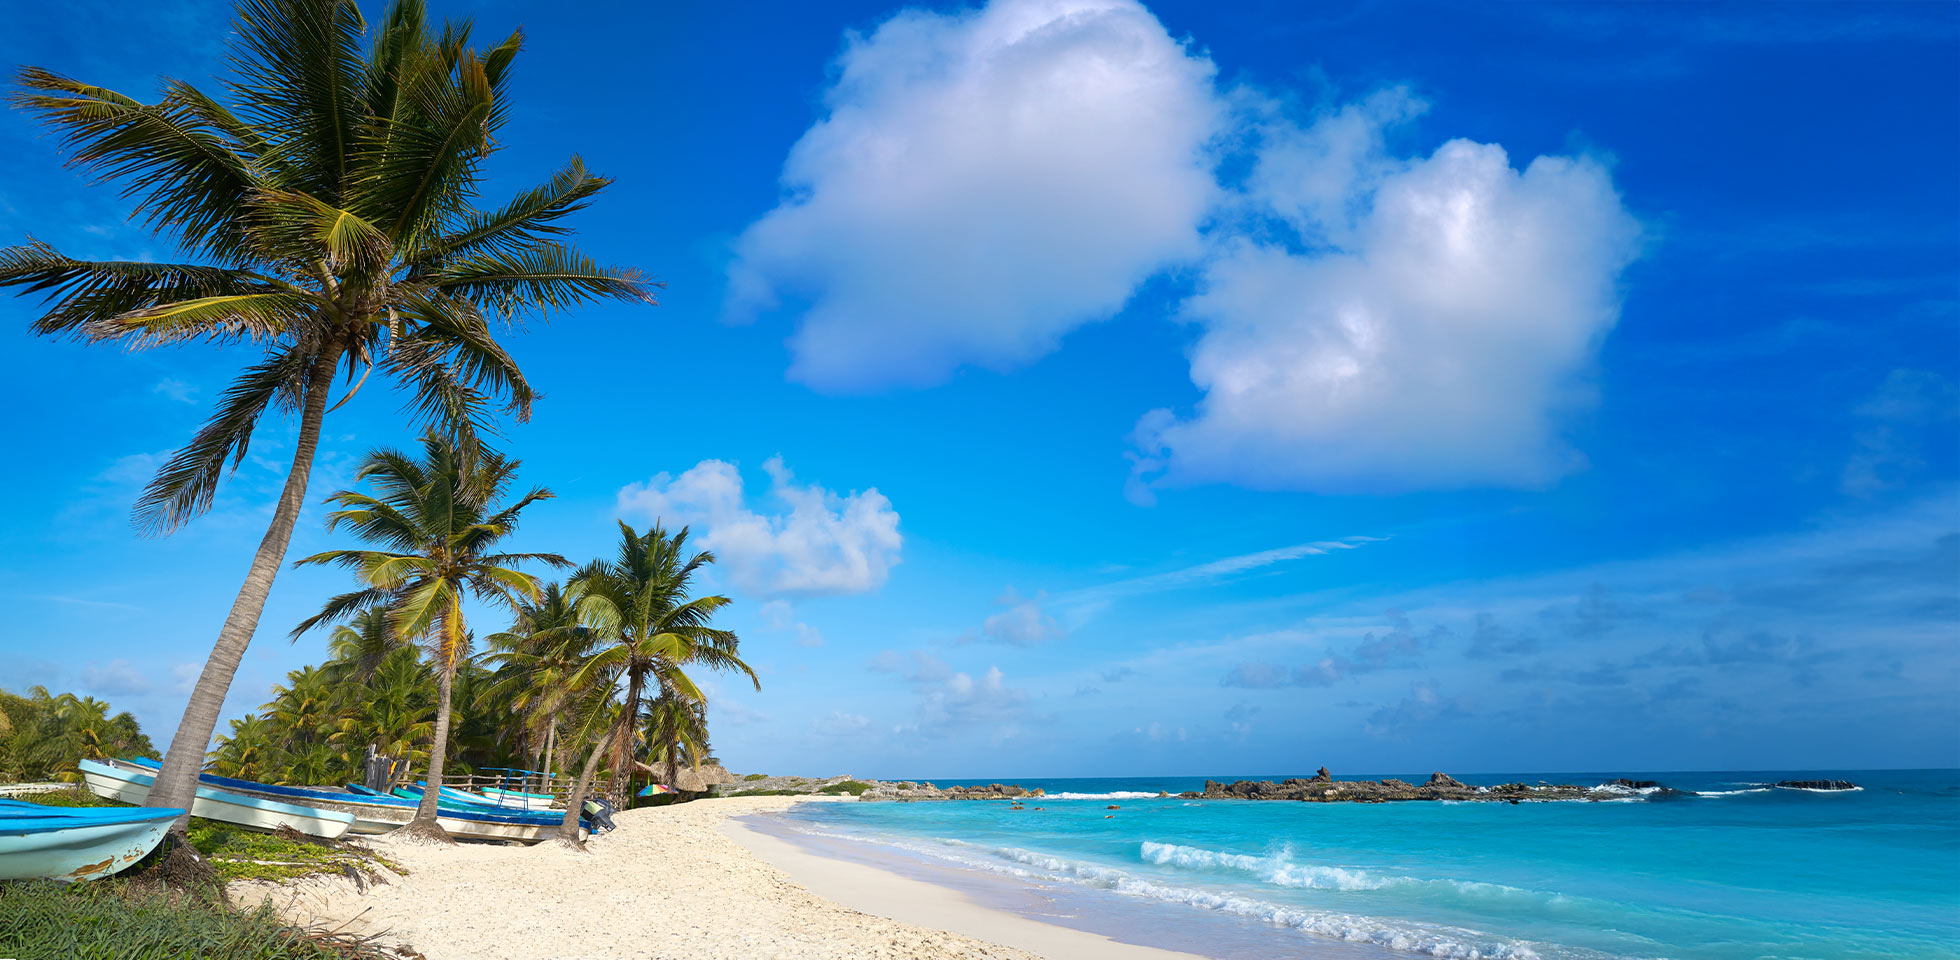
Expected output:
(756, 776)
(855, 788)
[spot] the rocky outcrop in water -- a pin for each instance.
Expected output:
(907, 790)
(1816, 784)
(1323, 788)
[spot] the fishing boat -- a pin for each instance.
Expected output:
(517, 798)
(453, 797)
(130, 783)
(377, 813)
(76, 843)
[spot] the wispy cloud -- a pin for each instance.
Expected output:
(175, 389)
(1214, 571)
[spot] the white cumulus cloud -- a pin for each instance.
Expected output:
(818, 542)
(1399, 323)
(981, 184)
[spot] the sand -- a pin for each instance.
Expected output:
(672, 883)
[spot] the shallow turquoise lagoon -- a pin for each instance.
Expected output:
(1738, 871)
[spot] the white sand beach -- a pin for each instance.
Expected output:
(683, 882)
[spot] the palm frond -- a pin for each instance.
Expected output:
(543, 278)
(85, 297)
(527, 220)
(186, 484)
(180, 168)
(301, 67)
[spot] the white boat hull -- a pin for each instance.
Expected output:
(84, 851)
(116, 783)
(371, 820)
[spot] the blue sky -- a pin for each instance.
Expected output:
(1076, 387)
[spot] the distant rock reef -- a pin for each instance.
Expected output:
(1321, 788)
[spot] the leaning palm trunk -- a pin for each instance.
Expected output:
(424, 824)
(575, 803)
(176, 783)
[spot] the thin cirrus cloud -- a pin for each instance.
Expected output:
(816, 542)
(982, 183)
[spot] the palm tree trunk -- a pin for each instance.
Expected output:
(550, 740)
(176, 782)
(425, 813)
(574, 804)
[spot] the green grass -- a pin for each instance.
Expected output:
(756, 776)
(77, 797)
(112, 920)
(855, 788)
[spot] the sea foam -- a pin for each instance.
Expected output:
(1441, 942)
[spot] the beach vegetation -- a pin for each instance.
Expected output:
(240, 854)
(124, 920)
(442, 519)
(756, 776)
(853, 787)
(44, 735)
(324, 206)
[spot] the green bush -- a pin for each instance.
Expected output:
(756, 776)
(110, 920)
(766, 793)
(855, 788)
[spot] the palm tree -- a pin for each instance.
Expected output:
(441, 520)
(247, 752)
(394, 712)
(357, 649)
(651, 629)
(535, 659)
(327, 218)
(675, 728)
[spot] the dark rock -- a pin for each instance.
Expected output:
(1632, 784)
(1816, 784)
(1443, 781)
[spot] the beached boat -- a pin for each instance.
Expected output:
(130, 783)
(517, 798)
(377, 813)
(76, 843)
(452, 797)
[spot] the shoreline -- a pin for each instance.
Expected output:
(861, 885)
(672, 882)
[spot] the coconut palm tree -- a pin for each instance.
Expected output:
(326, 212)
(441, 519)
(534, 661)
(357, 649)
(394, 712)
(651, 629)
(247, 752)
(675, 731)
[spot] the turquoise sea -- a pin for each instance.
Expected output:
(1738, 871)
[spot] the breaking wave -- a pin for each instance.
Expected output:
(1430, 940)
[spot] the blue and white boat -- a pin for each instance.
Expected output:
(375, 813)
(76, 843)
(131, 782)
(519, 799)
(462, 798)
